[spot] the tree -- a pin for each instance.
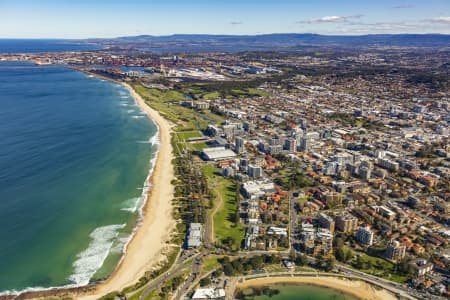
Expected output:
(329, 264)
(257, 262)
(348, 255)
(229, 241)
(340, 255)
(205, 281)
(338, 242)
(301, 260)
(237, 265)
(217, 273)
(359, 264)
(228, 270)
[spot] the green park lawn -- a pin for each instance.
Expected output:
(223, 226)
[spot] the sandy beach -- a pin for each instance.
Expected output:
(146, 248)
(356, 288)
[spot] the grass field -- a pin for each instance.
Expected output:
(212, 95)
(382, 268)
(210, 263)
(185, 135)
(167, 103)
(196, 146)
(223, 227)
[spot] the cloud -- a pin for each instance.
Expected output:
(236, 23)
(439, 24)
(405, 6)
(443, 20)
(330, 19)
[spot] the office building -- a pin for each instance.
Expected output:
(254, 171)
(239, 145)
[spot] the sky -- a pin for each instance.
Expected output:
(113, 18)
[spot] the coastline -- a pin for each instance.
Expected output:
(150, 238)
(354, 287)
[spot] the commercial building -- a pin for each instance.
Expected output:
(209, 293)
(217, 153)
(254, 171)
(257, 188)
(239, 145)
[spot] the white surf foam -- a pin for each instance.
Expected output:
(92, 259)
(105, 240)
(131, 205)
(138, 117)
(120, 243)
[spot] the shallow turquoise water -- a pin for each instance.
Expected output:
(74, 156)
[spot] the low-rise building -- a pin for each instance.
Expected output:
(209, 293)
(421, 266)
(194, 236)
(257, 188)
(217, 153)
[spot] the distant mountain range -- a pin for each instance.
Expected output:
(282, 40)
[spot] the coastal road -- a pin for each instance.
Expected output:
(396, 288)
(180, 264)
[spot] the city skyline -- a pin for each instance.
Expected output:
(103, 19)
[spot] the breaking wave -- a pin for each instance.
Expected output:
(90, 260)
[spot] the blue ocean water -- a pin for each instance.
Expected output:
(42, 45)
(75, 153)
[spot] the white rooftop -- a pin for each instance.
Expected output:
(208, 293)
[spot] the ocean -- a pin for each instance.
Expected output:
(43, 45)
(75, 155)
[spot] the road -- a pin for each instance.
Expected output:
(181, 263)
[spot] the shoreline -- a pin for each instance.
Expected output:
(353, 287)
(149, 238)
(153, 230)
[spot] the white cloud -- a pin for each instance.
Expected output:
(330, 19)
(444, 20)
